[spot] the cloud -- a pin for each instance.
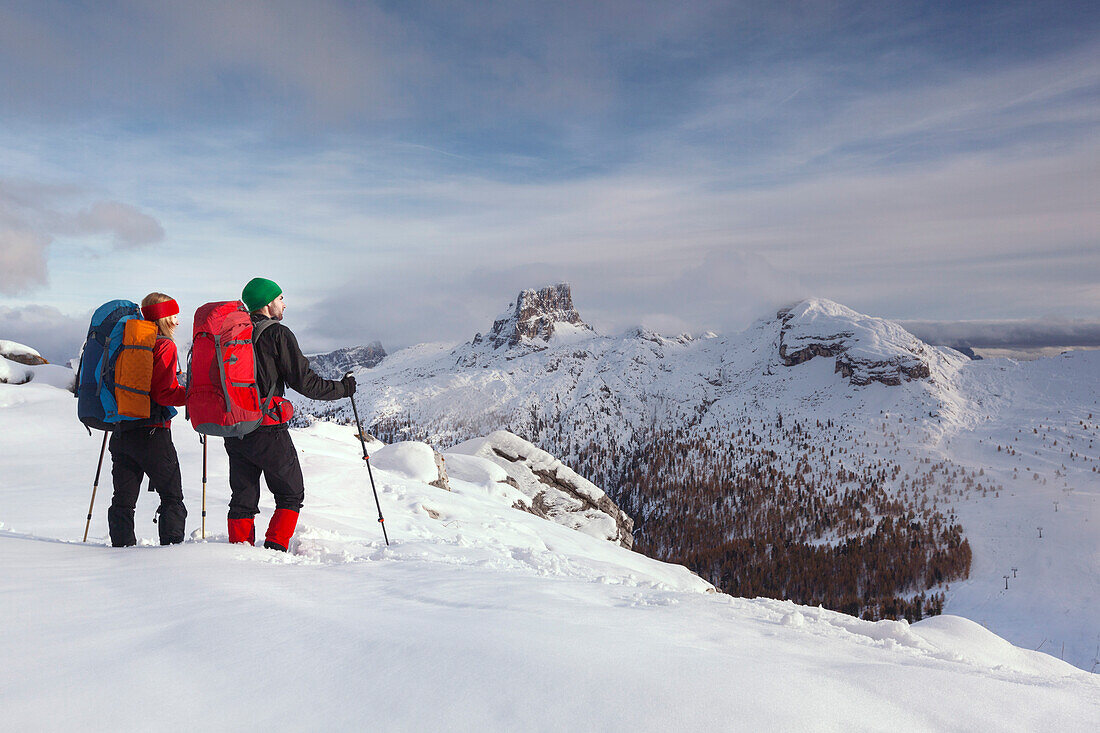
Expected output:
(406, 168)
(34, 215)
(22, 260)
(55, 335)
(1018, 334)
(129, 227)
(724, 291)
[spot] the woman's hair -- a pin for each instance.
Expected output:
(163, 324)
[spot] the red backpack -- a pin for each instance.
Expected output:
(222, 396)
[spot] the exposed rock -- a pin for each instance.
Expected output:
(556, 491)
(441, 467)
(968, 351)
(866, 349)
(646, 334)
(20, 354)
(335, 364)
(536, 315)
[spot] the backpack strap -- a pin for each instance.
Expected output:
(258, 328)
(261, 326)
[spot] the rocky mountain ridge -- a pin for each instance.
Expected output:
(527, 374)
(533, 319)
(335, 364)
(866, 349)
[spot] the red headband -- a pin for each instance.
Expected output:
(156, 311)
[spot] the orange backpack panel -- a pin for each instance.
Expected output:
(134, 368)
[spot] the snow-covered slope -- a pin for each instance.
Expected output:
(553, 489)
(866, 396)
(477, 617)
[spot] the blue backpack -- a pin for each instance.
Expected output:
(97, 403)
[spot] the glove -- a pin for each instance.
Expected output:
(349, 385)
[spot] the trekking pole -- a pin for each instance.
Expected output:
(366, 459)
(95, 486)
(202, 439)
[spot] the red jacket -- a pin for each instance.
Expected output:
(165, 388)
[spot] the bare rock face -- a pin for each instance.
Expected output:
(866, 349)
(555, 491)
(535, 316)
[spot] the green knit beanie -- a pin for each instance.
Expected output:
(259, 292)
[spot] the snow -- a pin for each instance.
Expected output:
(551, 486)
(14, 348)
(569, 333)
(476, 617)
(535, 458)
(868, 338)
(55, 375)
(410, 460)
(610, 390)
(12, 372)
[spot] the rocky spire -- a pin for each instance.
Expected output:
(534, 316)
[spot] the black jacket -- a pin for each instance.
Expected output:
(280, 362)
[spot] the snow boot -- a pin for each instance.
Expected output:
(120, 521)
(171, 524)
(281, 529)
(243, 530)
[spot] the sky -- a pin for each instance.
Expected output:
(403, 169)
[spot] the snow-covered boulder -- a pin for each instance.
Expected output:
(20, 353)
(867, 349)
(55, 375)
(414, 460)
(12, 372)
(555, 491)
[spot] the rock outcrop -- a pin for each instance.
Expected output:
(535, 316)
(866, 349)
(555, 491)
(20, 354)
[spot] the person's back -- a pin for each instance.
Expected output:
(281, 364)
(268, 450)
(144, 447)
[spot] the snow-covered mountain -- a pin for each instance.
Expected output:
(434, 631)
(822, 427)
(533, 367)
(335, 364)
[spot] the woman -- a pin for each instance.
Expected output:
(144, 447)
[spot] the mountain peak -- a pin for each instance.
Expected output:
(867, 349)
(535, 315)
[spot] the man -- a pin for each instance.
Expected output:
(268, 449)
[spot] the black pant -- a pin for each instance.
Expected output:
(272, 453)
(135, 454)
